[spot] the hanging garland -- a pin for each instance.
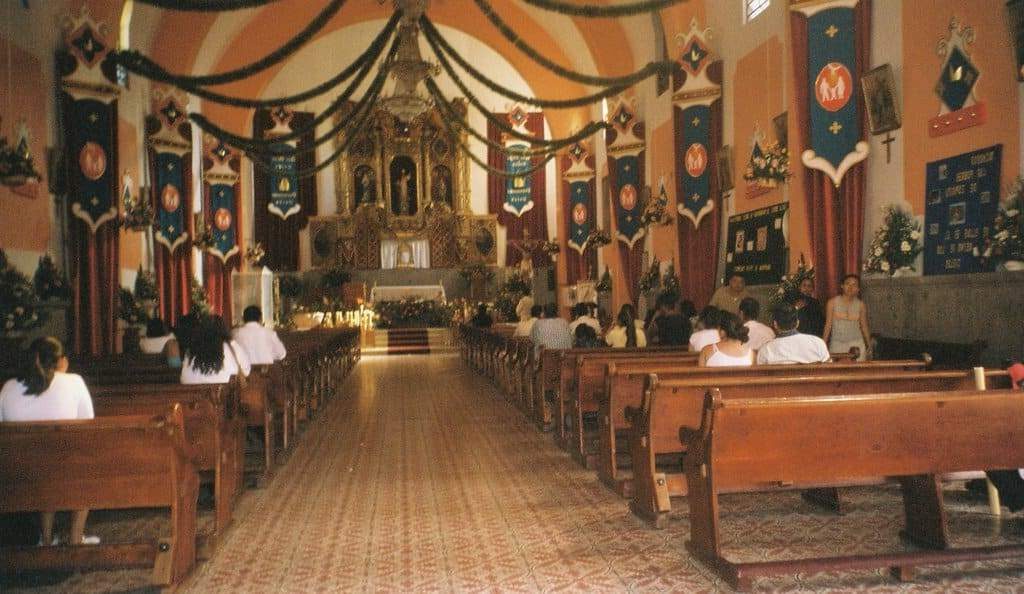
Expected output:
(371, 55)
(435, 41)
(206, 5)
(594, 11)
(652, 68)
(137, 63)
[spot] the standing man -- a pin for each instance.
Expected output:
(728, 297)
(261, 344)
(812, 314)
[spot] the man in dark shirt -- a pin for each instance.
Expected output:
(809, 309)
(669, 327)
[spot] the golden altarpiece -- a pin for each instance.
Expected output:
(406, 183)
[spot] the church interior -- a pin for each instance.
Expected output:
(414, 198)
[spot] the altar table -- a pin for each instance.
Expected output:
(397, 293)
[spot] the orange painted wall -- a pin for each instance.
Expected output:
(25, 221)
(127, 156)
(924, 23)
(758, 99)
(664, 239)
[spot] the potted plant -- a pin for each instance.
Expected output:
(19, 307)
(896, 244)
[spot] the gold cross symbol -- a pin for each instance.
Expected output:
(170, 167)
(170, 229)
(95, 201)
(625, 168)
(93, 117)
(696, 122)
(835, 128)
(832, 31)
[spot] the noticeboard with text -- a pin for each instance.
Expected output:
(756, 245)
(961, 201)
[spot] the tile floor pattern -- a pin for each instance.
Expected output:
(426, 481)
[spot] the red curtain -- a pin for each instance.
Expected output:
(698, 247)
(630, 259)
(173, 270)
(279, 237)
(835, 215)
(217, 282)
(94, 275)
(534, 219)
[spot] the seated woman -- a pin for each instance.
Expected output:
(732, 350)
(211, 357)
(44, 391)
(160, 340)
(586, 338)
(706, 331)
(628, 332)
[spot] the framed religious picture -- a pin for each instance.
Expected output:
(879, 86)
(725, 180)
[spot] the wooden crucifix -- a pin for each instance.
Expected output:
(889, 139)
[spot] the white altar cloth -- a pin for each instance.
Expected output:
(426, 292)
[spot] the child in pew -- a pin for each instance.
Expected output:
(160, 340)
(45, 391)
(732, 350)
(791, 346)
(211, 356)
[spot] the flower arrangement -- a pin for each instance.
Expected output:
(650, 279)
(515, 286)
(204, 238)
(768, 166)
(18, 300)
(670, 282)
(254, 254)
(129, 309)
(412, 313)
(476, 272)
(605, 284)
(138, 214)
(1006, 240)
(656, 210)
(896, 243)
(597, 239)
(550, 248)
(49, 282)
(290, 287)
(788, 289)
(335, 278)
(197, 294)
(145, 286)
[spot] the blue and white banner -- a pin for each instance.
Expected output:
(170, 193)
(518, 189)
(284, 182)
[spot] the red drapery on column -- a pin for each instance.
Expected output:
(94, 275)
(835, 215)
(217, 282)
(280, 238)
(534, 219)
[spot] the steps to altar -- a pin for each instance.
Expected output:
(407, 341)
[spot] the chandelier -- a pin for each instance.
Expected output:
(409, 69)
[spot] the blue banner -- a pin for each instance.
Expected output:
(961, 202)
(580, 220)
(518, 190)
(92, 159)
(627, 198)
(222, 207)
(695, 200)
(171, 203)
(836, 143)
(284, 183)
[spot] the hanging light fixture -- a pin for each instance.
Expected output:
(409, 69)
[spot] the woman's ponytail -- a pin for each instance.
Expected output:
(45, 354)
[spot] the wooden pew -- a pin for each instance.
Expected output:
(214, 428)
(946, 355)
(764, 444)
(104, 463)
(624, 388)
(669, 405)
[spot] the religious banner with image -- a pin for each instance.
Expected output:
(518, 190)
(579, 184)
(220, 205)
(284, 183)
(961, 202)
(836, 135)
(626, 151)
(756, 245)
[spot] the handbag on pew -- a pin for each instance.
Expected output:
(243, 379)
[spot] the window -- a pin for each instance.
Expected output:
(752, 8)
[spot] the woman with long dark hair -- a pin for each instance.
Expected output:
(628, 331)
(732, 349)
(45, 391)
(211, 357)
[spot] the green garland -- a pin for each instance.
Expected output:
(595, 11)
(137, 63)
(652, 68)
(207, 5)
(371, 55)
(436, 40)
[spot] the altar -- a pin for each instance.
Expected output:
(399, 293)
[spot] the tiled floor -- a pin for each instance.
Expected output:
(422, 480)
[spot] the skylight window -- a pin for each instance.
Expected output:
(752, 8)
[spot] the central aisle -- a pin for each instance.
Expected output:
(418, 479)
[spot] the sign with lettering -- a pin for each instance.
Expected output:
(756, 245)
(961, 201)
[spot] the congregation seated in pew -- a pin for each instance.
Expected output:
(159, 340)
(525, 325)
(551, 331)
(211, 356)
(628, 331)
(582, 314)
(732, 349)
(668, 327)
(586, 338)
(45, 391)
(790, 346)
(261, 344)
(760, 334)
(706, 329)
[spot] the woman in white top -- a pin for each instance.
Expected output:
(159, 340)
(44, 391)
(627, 331)
(706, 331)
(732, 350)
(846, 320)
(211, 357)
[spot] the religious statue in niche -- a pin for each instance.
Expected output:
(366, 185)
(403, 187)
(441, 185)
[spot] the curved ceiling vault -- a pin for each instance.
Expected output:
(200, 43)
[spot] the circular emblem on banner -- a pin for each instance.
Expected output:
(833, 87)
(169, 198)
(579, 213)
(627, 197)
(92, 160)
(222, 219)
(696, 160)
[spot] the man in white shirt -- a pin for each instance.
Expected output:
(581, 315)
(789, 345)
(262, 345)
(525, 326)
(760, 334)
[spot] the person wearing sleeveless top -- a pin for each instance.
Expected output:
(732, 350)
(846, 320)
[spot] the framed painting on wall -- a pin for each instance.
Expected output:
(880, 97)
